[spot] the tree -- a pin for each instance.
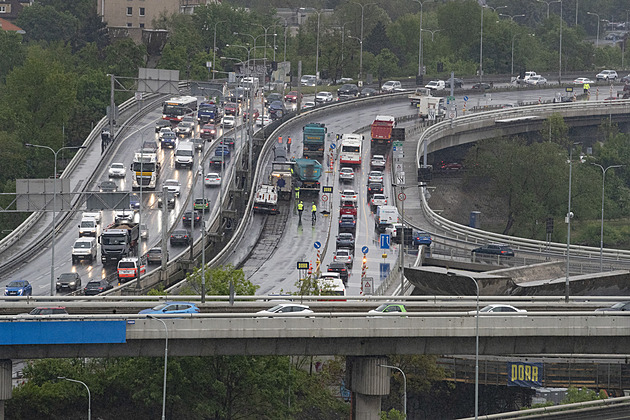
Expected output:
(13, 53)
(46, 23)
(556, 130)
(384, 65)
(218, 280)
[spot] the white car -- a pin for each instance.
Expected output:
(95, 214)
(117, 170)
(378, 200)
(344, 255)
(164, 130)
(346, 175)
(173, 186)
(582, 81)
(144, 231)
(499, 308)
(263, 120)
(308, 104)
(607, 75)
(124, 216)
(323, 97)
(212, 180)
(349, 195)
(378, 161)
(229, 121)
(536, 80)
(375, 176)
(286, 308)
(391, 86)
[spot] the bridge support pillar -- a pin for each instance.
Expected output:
(5, 383)
(368, 381)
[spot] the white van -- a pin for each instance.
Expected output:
(330, 284)
(385, 216)
(87, 227)
(84, 249)
(185, 154)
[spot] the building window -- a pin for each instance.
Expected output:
(142, 11)
(3, 9)
(128, 25)
(142, 25)
(129, 11)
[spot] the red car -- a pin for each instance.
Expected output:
(292, 96)
(231, 108)
(348, 207)
(208, 131)
(256, 114)
(453, 166)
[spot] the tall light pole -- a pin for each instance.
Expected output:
(453, 274)
(54, 221)
(165, 365)
(361, 43)
(319, 12)
(266, 28)
(481, 50)
(432, 32)
(560, 52)
(510, 16)
(88, 391)
(512, 69)
(214, 47)
(601, 237)
(548, 3)
(568, 221)
(595, 14)
(421, 3)
(203, 230)
(404, 386)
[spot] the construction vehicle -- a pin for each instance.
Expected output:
(266, 200)
(384, 132)
(307, 173)
(429, 106)
(118, 241)
(314, 138)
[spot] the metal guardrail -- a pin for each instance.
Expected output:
(476, 236)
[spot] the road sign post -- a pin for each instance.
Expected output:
(367, 285)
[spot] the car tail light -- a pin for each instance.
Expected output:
(100, 288)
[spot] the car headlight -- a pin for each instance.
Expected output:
(72, 283)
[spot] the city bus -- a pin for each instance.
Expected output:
(146, 170)
(176, 108)
(350, 152)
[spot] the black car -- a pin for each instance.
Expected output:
(348, 90)
(345, 240)
(481, 86)
(272, 97)
(160, 124)
(198, 142)
(108, 186)
(374, 188)
(277, 109)
(237, 95)
(228, 141)
(154, 256)
(216, 162)
(188, 217)
(625, 79)
(365, 92)
(458, 83)
(493, 249)
(347, 223)
(180, 237)
(94, 287)
(341, 268)
(70, 281)
(170, 200)
(619, 306)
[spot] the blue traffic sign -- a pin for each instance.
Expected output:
(333, 145)
(365, 249)
(385, 240)
(465, 98)
(317, 244)
(384, 270)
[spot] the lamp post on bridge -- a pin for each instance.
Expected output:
(165, 364)
(601, 237)
(88, 391)
(404, 386)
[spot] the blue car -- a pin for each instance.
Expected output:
(421, 238)
(222, 150)
(18, 288)
(172, 308)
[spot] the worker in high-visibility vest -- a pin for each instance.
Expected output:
(289, 144)
(300, 208)
(297, 193)
(314, 212)
(587, 87)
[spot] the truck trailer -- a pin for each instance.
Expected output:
(307, 173)
(314, 138)
(118, 241)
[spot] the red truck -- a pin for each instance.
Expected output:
(384, 131)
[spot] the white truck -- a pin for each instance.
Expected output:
(385, 217)
(436, 85)
(429, 106)
(266, 200)
(87, 227)
(526, 77)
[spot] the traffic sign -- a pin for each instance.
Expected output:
(317, 244)
(465, 98)
(324, 198)
(384, 270)
(365, 249)
(451, 98)
(451, 115)
(333, 145)
(367, 283)
(385, 240)
(402, 196)
(400, 178)
(327, 189)
(302, 265)
(397, 144)
(399, 167)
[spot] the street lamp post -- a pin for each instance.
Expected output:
(601, 237)
(404, 386)
(421, 3)
(510, 16)
(595, 14)
(266, 28)
(88, 391)
(512, 69)
(165, 365)
(548, 3)
(453, 274)
(54, 221)
(214, 47)
(203, 231)
(361, 42)
(568, 221)
(432, 32)
(319, 12)
(560, 52)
